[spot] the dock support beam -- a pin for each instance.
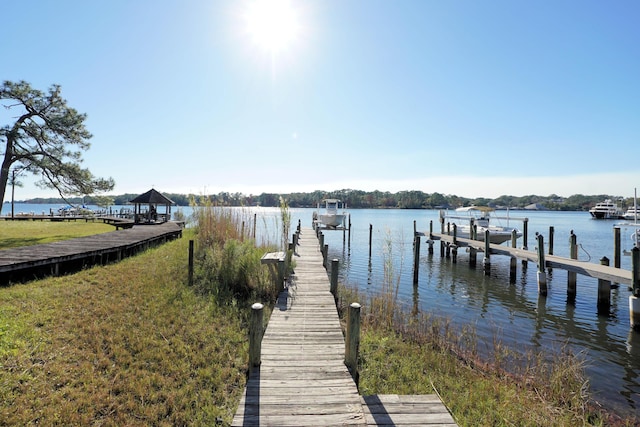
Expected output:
(617, 250)
(190, 262)
(352, 342)
(604, 292)
(513, 263)
(255, 335)
(486, 261)
(416, 257)
(334, 277)
(542, 275)
(571, 275)
(634, 299)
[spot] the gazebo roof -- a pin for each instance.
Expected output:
(153, 196)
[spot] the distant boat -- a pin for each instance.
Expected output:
(330, 216)
(632, 214)
(606, 210)
(480, 216)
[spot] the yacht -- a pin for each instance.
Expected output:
(606, 210)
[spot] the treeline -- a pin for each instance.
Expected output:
(363, 199)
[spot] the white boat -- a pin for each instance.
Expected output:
(606, 210)
(480, 217)
(632, 214)
(331, 216)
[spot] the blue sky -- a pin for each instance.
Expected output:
(474, 98)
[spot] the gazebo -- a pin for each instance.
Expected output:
(146, 209)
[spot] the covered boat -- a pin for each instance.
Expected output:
(479, 216)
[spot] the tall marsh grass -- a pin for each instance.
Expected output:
(228, 260)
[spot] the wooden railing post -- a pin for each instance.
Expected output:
(572, 277)
(352, 342)
(255, 335)
(604, 292)
(334, 277)
(190, 262)
(542, 275)
(416, 257)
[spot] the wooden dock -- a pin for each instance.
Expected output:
(585, 268)
(28, 262)
(302, 379)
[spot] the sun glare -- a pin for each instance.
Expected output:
(272, 24)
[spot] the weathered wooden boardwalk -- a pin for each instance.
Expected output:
(69, 255)
(598, 271)
(303, 380)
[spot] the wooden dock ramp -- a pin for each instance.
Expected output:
(302, 380)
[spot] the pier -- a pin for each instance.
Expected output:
(53, 259)
(606, 275)
(298, 375)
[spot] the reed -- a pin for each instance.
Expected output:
(228, 260)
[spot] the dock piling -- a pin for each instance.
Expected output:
(416, 257)
(571, 275)
(352, 341)
(255, 335)
(334, 277)
(604, 292)
(541, 275)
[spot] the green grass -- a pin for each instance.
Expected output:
(124, 344)
(25, 233)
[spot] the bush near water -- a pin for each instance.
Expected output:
(133, 344)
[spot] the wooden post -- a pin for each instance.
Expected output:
(255, 216)
(551, 230)
(513, 263)
(572, 276)
(334, 277)
(441, 224)
(634, 299)
(416, 257)
(370, 238)
(473, 255)
(349, 233)
(617, 250)
(430, 248)
(321, 240)
(255, 335)
(325, 255)
(352, 342)
(514, 238)
(635, 271)
(454, 253)
(604, 292)
(473, 233)
(431, 229)
(542, 276)
(525, 232)
(455, 234)
(486, 261)
(281, 271)
(190, 262)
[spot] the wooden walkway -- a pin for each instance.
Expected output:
(598, 271)
(303, 380)
(56, 258)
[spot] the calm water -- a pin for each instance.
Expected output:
(515, 313)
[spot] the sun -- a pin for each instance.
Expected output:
(272, 24)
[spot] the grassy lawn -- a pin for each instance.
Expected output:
(124, 344)
(25, 233)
